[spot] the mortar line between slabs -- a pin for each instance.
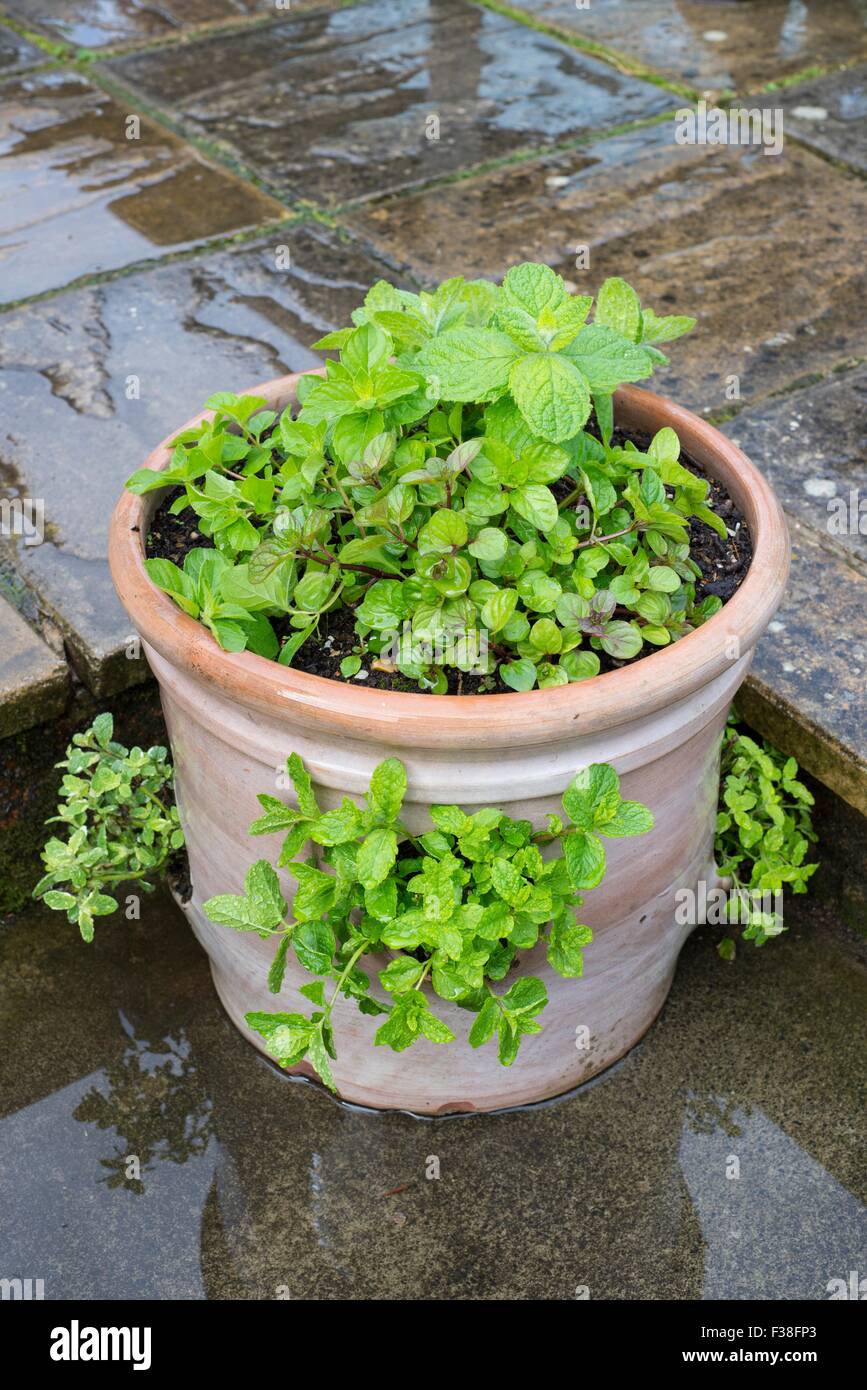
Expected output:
(525, 155)
(93, 279)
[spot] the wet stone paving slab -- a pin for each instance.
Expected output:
(830, 115)
(758, 247)
(807, 689)
(377, 97)
(34, 681)
(727, 44)
(258, 1185)
(87, 25)
(108, 370)
(78, 197)
(16, 53)
(811, 445)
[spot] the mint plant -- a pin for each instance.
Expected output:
(452, 906)
(764, 831)
(441, 481)
(121, 824)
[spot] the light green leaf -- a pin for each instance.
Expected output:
(585, 858)
(618, 307)
(537, 504)
(446, 530)
(606, 359)
(630, 818)
(376, 855)
(533, 287)
(387, 789)
(468, 365)
(551, 394)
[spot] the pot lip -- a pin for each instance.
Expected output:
(604, 701)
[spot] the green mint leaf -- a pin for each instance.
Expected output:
(303, 785)
(565, 947)
(618, 307)
(376, 855)
(287, 1036)
(585, 858)
(314, 946)
(533, 288)
(606, 359)
(466, 365)
(593, 796)
(552, 395)
(630, 818)
(387, 790)
(278, 966)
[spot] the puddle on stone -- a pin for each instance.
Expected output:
(365, 100)
(96, 23)
(252, 1187)
(80, 197)
(730, 43)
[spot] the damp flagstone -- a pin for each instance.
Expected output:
(812, 447)
(807, 689)
(830, 115)
(261, 1188)
(759, 247)
(105, 369)
(737, 44)
(34, 681)
(88, 25)
(79, 197)
(355, 102)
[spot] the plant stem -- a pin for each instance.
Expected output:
(599, 540)
(340, 983)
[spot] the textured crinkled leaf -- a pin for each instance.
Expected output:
(551, 394)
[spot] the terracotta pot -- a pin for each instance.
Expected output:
(234, 718)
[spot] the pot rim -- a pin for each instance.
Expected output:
(517, 718)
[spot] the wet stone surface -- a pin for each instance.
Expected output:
(16, 53)
(739, 44)
(97, 23)
(811, 445)
(78, 197)
(758, 247)
(831, 115)
(807, 689)
(33, 680)
(381, 96)
(92, 380)
(259, 1185)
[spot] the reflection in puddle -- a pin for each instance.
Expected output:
(58, 1155)
(775, 1224)
(152, 1100)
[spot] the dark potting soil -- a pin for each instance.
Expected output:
(723, 563)
(178, 875)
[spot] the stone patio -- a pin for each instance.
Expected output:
(280, 163)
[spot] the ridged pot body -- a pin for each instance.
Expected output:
(232, 725)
